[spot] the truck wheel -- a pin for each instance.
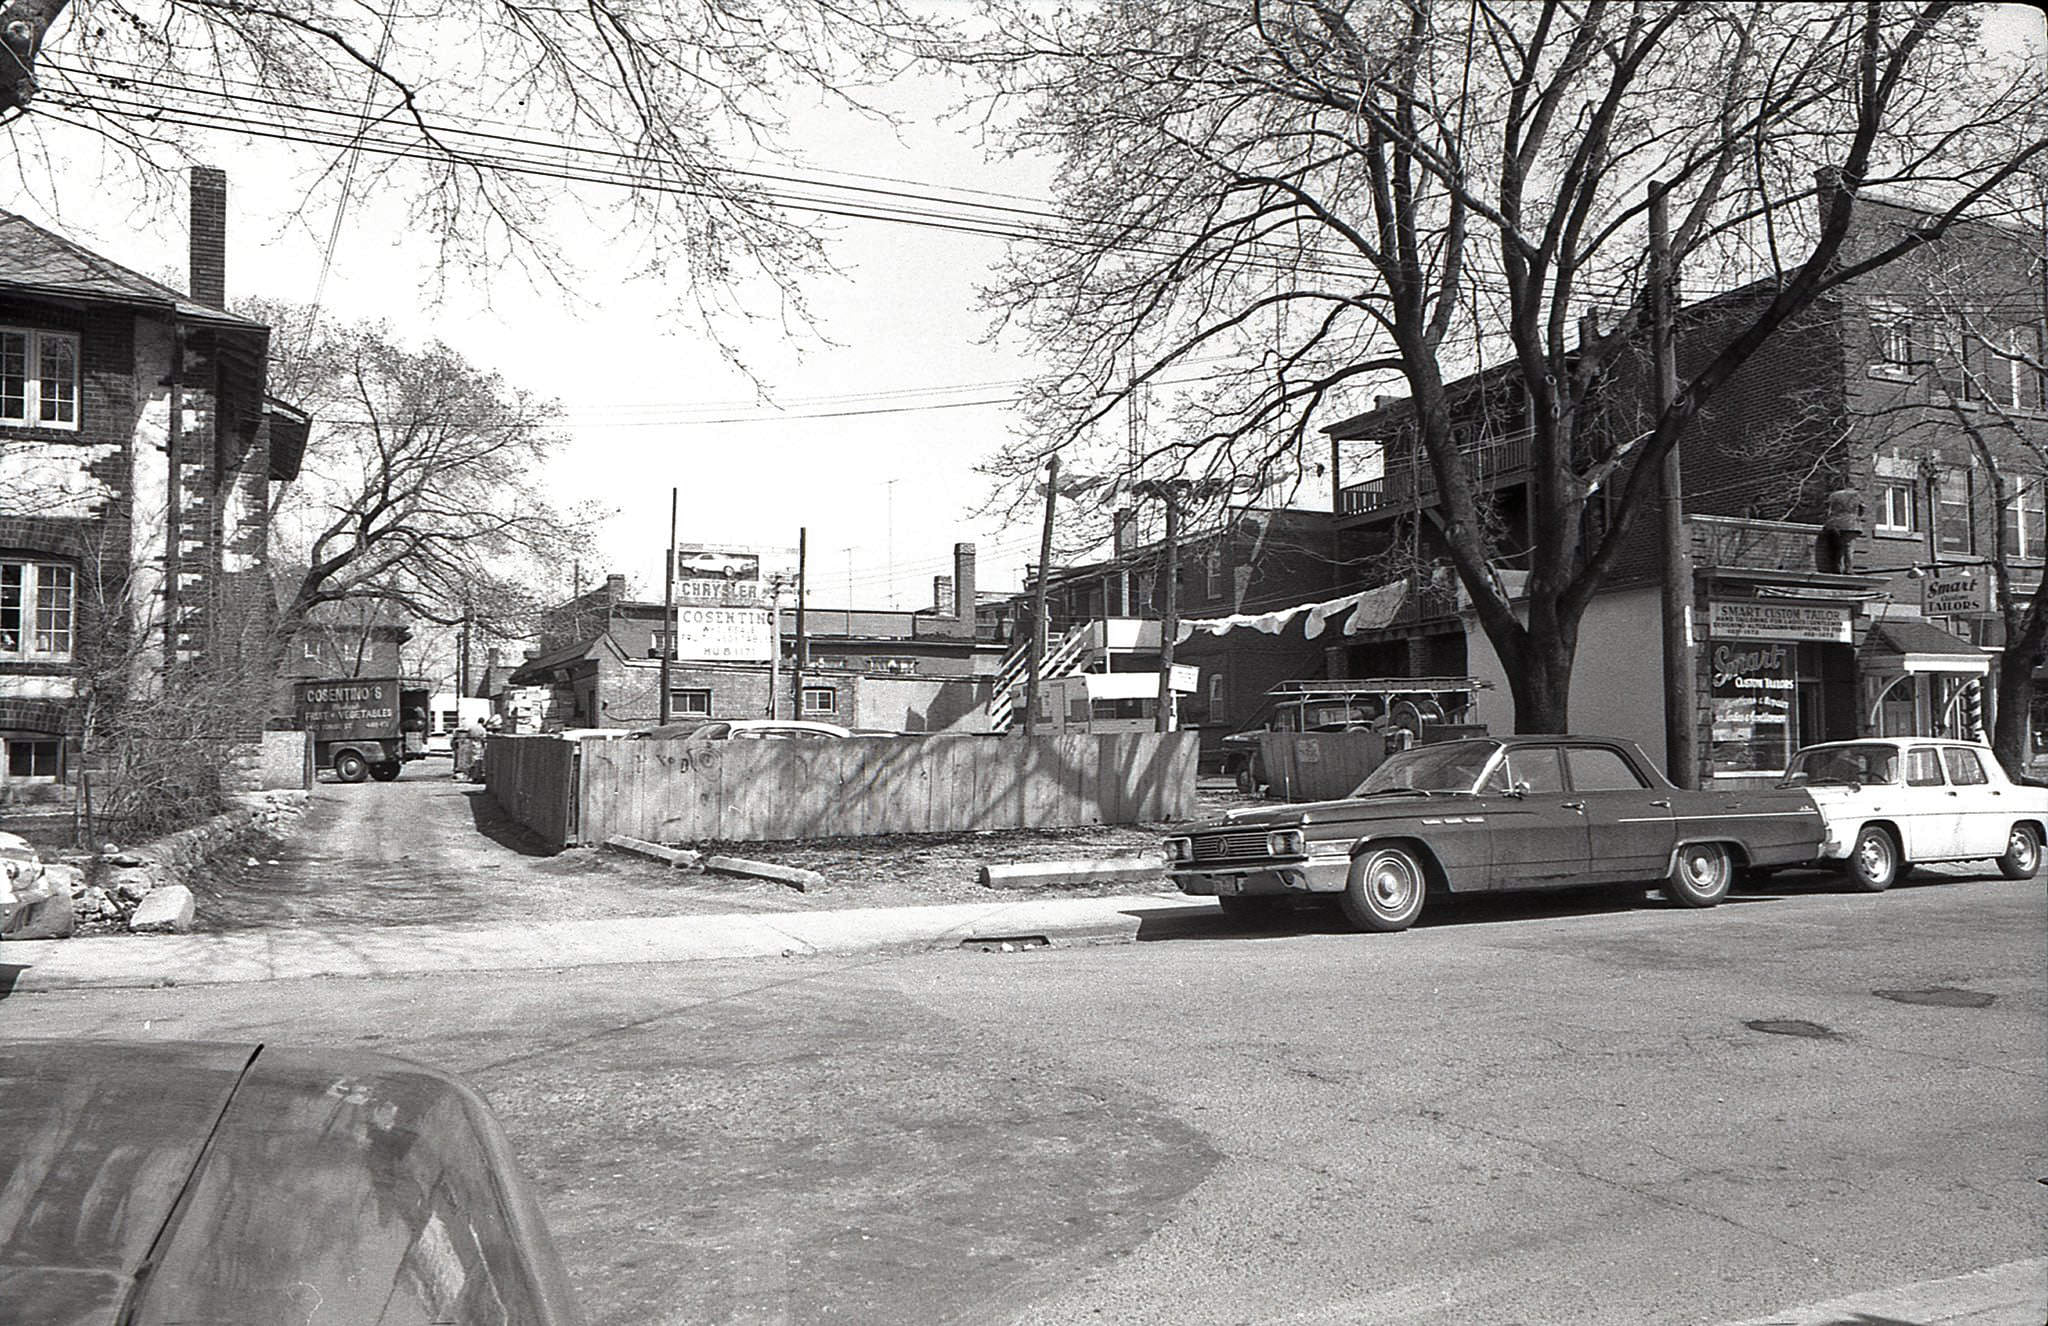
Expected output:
(1385, 890)
(350, 767)
(1701, 876)
(1874, 862)
(384, 773)
(2022, 853)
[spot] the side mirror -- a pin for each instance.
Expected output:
(1518, 790)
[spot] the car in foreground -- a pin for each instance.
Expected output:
(1521, 812)
(249, 1185)
(746, 729)
(1895, 802)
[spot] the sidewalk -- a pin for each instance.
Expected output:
(129, 961)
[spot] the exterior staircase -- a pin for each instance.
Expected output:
(1064, 659)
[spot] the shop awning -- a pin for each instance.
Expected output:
(1912, 645)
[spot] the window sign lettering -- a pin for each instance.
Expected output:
(1753, 690)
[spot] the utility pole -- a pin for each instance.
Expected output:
(774, 641)
(1681, 724)
(1037, 642)
(668, 613)
(796, 657)
(1169, 618)
(462, 661)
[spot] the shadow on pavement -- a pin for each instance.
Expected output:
(10, 972)
(500, 828)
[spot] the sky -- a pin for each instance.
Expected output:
(874, 452)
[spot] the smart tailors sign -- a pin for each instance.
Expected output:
(1956, 594)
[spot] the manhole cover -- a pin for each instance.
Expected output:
(1792, 1027)
(1940, 996)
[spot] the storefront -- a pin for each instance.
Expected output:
(1919, 680)
(1780, 675)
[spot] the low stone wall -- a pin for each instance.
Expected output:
(279, 761)
(107, 887)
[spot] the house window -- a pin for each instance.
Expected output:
(821, 700)
(1212, 574)
(35, 610)
(1891, 331)
(1898, 507)
(2026, 521)
(38, 378)
(1952, 523)
(31, 756)
(690, 703)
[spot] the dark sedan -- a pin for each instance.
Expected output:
(160, 1182)
(1523, 812)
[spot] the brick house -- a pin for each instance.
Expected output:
(929, 670)
(137, 450)
(1852, 409)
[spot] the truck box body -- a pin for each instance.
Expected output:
(363, 726)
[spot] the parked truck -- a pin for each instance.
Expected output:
(364, 727)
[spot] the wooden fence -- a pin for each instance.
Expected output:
(759, 791)
(1319, 766)
(533, 780)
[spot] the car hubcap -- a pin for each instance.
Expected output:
(2022, 849)
(1702, 870)
(1392, 885)
(1874, 857)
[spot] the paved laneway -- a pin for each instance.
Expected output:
(1526, 1111)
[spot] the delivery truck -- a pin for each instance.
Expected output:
(364, 727)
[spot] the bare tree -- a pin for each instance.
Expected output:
(422, 487)
(475, 113)
(1336, 196)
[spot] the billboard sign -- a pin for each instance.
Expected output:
(719, 576)
(1760, 619)
(707, 633)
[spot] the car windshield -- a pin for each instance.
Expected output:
(1859, 765)
(1453, 766)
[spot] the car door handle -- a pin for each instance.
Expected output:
(1574, 805)
(1664, 802)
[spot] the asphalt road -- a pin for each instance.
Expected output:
(1564, 1109)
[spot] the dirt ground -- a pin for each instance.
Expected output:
(427, 850)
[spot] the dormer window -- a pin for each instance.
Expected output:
(38, 378)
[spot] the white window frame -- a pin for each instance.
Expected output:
(680, 700)
(38, 582)
(1891, 333)
(1883, 520)
(2028, 497)
(32, 403)
(9, 740)
(812, 694)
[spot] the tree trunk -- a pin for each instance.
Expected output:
(2015, 704)
(1540, 681)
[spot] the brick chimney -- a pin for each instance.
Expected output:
(615, 587)
(208, 274)
(963, 584)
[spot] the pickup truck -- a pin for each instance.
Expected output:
(1520, 812)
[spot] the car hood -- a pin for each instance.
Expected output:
(156, 1182)
(1347, 810)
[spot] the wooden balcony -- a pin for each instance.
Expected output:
(1408, 480)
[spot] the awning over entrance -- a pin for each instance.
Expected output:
(1910, 645)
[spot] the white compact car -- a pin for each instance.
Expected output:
(1895, 802)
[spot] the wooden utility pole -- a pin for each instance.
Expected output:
(1037, 642)
(1169, 617)
(1681, 724)
(796, 657)
(668, 613)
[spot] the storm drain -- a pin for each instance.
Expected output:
(1940, 996)
(1793, 1027)
(1006, 943)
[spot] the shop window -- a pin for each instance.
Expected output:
(2025, 537)
(690, 702)
(1897, 507)
(1923, 767)
(820, 700)
(38, 378)
(35, 610)
(1753, 694)
(31, 757)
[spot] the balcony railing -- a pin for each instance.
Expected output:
(1408, 479)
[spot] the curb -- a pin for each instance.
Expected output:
(150, 961)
